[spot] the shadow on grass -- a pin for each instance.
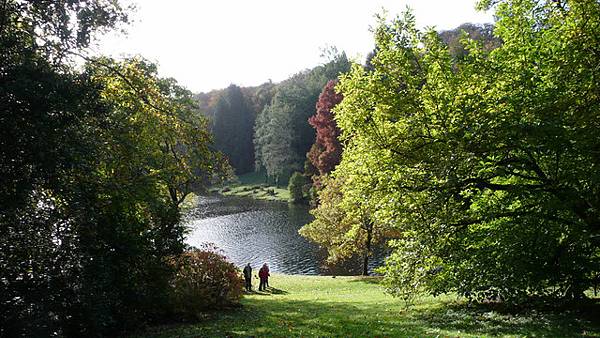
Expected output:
(368, 279)
(491, 320)
(276, 291)
(275, 317)
(268, 291)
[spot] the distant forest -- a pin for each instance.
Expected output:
(265, 128)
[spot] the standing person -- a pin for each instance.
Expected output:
(248, 277)
(268, 275)
(263, 274)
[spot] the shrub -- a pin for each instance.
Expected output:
(203, 280)
(296, 187)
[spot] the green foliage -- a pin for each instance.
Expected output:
(273, 141)
(482, 34)
(233, 128)
(331, 228)
(94, 164)
(344, 222)
(233, 112)
(282, 134)
(162, 133)
(203, 280)
(298, 187)
(487, 164)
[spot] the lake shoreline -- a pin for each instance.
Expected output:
(253, 185)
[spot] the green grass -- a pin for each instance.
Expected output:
(308, 306)
(253, 185)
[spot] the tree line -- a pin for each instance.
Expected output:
(266, 128)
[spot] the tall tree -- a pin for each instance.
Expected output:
(233, 128)
(345, 222)
(486, 164)
(273, 141)
(326, 152)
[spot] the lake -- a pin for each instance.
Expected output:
(257, 232)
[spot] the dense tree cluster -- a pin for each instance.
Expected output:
(265, 128)
(232, 112)
(93, 166)
(348, 234)
(482, 34)
(283, 135)
(485, 165)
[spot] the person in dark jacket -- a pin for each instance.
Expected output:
(248, 277)
(263, 274)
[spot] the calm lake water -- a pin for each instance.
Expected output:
(257, 232)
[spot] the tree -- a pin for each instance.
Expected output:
(344, 222)
(296, 186)
(485, 164)
(233, 128)
(48, 115)
(482, 34)
(326, 152)
(94, 163)
(273, 141)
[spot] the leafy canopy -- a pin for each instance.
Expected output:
(487, 164)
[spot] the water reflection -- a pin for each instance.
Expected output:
(255, 232)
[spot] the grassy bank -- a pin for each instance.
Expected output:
(255, 186)
(306, 306)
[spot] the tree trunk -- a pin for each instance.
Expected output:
(576, 291)
(173, 194)
(369, 230)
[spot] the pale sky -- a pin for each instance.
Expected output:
(209, 44)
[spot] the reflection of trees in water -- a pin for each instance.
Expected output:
(215, 206)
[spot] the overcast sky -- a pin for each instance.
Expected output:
(209, 44)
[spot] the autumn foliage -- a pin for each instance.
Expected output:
(326, 152)
(204, 279)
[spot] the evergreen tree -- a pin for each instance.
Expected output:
(233, 129)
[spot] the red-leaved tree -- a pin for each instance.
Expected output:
(326, 152)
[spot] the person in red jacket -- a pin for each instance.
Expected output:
(263, 274)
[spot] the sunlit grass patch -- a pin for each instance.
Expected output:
(252, 185)
(300, 306)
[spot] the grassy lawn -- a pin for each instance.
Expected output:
(253, 185)
(307, 306)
